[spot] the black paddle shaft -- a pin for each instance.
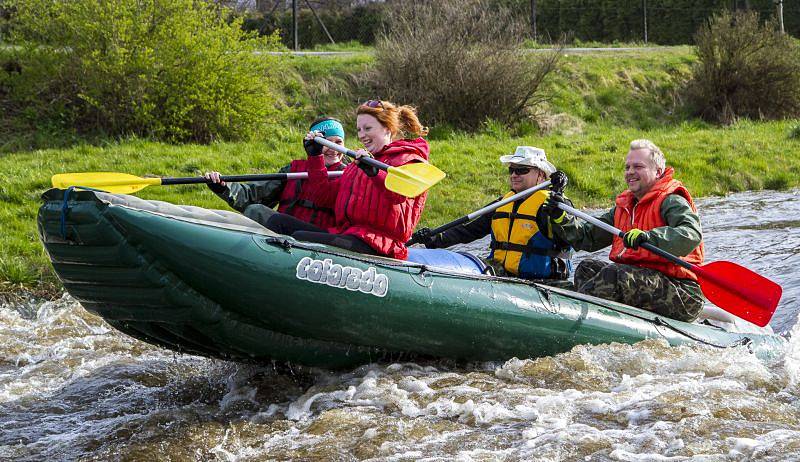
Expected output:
(227, 179)
(234, 178)
(349, 152)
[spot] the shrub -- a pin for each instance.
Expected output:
(460, 62)
(166, 69)
(745, 69)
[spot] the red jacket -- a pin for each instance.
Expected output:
(646, 215)
(364, 207)
(296, 198)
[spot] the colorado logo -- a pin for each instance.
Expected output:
(343, 277)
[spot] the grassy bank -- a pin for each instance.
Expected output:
(599, 103)
(637, 88)
(708, 160)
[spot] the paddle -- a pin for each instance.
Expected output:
(735, 289)
(409, 180)
(489, 208)
(123, 183)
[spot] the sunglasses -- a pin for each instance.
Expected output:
(519, 170)
(373, 103)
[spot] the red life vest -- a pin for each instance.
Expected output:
(296, 199)
(365, 208)
(646, 215)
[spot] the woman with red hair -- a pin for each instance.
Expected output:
(369, 218)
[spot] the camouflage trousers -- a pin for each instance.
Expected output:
(644, 288)
(499, 270)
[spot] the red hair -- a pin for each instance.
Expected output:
(401, 121)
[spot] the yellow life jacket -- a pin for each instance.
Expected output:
(518, 244)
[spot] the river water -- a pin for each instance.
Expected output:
(72, 388)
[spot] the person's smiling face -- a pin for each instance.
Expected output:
(372, 134)
(641, 172)
(331, 156)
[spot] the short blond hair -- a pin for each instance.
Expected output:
(655, 153)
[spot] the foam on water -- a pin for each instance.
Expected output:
(792, 358)
(73, 388)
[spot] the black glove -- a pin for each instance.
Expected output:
(558, 181)
(312, 147)
(370, 170)
(550, 206)
(217, 188)
(423, 236)
(634, 238)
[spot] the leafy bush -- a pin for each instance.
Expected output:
(460, 62)
(166, 69)
(745, 69)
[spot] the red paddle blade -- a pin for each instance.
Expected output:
(739, 291)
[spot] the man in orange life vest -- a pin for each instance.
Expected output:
(656, 209)
(257, 199)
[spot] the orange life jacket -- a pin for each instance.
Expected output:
(646, 215)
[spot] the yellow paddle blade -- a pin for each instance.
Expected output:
(413, 179)
(117, 183)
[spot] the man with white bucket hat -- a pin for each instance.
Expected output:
(522, 244)
(531, 157)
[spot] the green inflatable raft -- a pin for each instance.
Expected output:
(214, 283)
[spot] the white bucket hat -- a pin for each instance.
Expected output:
(530, 156)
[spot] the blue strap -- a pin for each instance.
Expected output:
(64, 209)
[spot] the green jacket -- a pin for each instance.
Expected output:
(240, 195)
(680, 237)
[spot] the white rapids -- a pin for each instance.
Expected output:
(73, 388)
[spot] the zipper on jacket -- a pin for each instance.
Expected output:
(347, 201)
(631, 213)
(514, 208)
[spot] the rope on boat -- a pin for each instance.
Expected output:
(658, 321)
(744, 341)
(286, 244)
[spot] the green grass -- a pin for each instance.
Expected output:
(599, 103)
(330, 85)
(711, 161)
(639, 89)
(577, 43)
(351, 46)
